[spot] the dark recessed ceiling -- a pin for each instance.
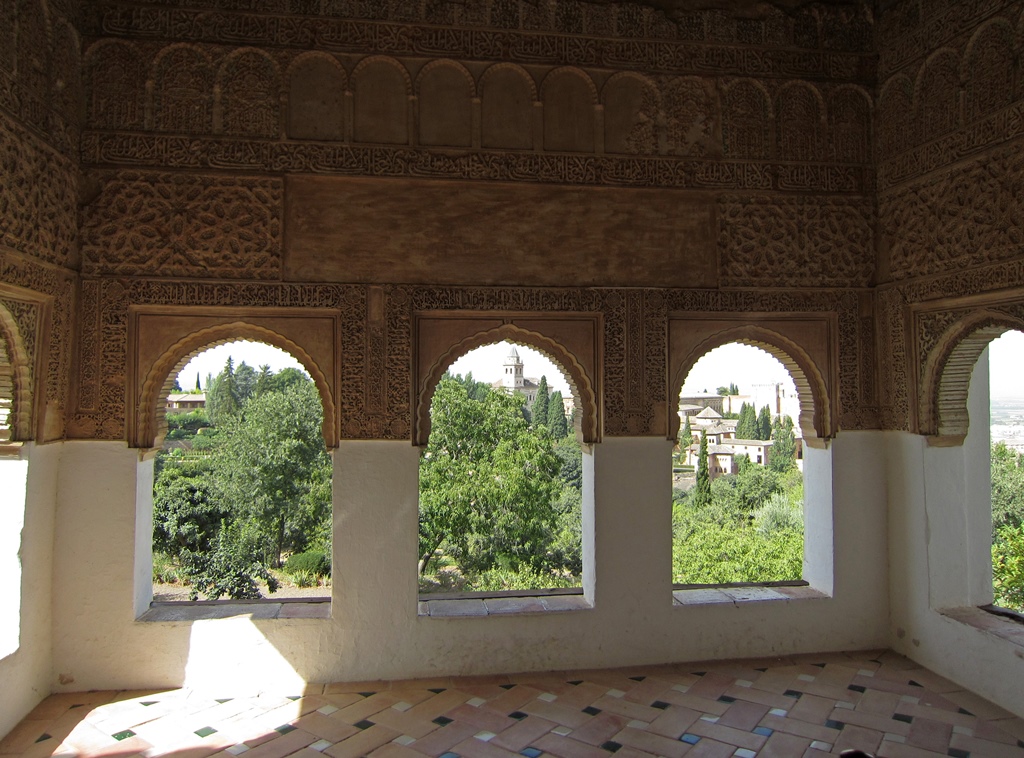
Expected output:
(744, 8)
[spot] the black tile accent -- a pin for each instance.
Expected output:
(220, 700)
(148, 703)
(78, 705)
(506, 686)
(660, 705)
(833, 724)
(293, 698)
(517, 715)
(638, 678)
(819, 665)
(912, 683)
(726, 699)
(436, 690)
(44, 737)
(365, 724)
(366, 694)
(591, 710)
(611, 746)
(1020, 743)
(958, 753)
(445, 721)
(902, 717)
(793, 693)
(856, 688)
(699, 673)
(966, 712)
(576, 682)
(285, 728)
(762, 670)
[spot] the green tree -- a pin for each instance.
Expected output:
(186, 511)
(245, 381)
(268, 467)
(1008, 567)
(782, 456)
(746, 427)
(1007, 487)
(487, 483)
(732, 389)
(764, 424)
(686, 437)
(541, 403)
(222, 401)
(557, 422)
(702, 490)
(476, 390)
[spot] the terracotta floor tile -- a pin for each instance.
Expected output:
(752, 695)
(392, 750)
(880, 702)
(474, 748)
(564, 747)
(325, 727)
(743, 715)
(781, 745)
(983, 747)
(930, 735)
(727, 734)
(360, 745)
(812, 708)
(443, 739)
(859, 738)
(708, 748)
(874, 721)
(600, 728)
(565, 715)
(625, 708)
(673, 721)
(896, 750)
(286, 744)
(712, 685)
(510, 700)
(800, 728)
(651, 743)
(523, 733)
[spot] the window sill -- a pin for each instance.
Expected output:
(203, 610)
(502, 606)
(737, 594)
(989, 619)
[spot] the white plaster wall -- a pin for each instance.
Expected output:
(939, 525)
(26, 674)
(375, 631)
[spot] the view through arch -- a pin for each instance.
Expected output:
(1006, 430)
(242, 505)
(738, 497)
(501, 478)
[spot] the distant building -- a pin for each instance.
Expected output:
(513, 380)
(188, 401)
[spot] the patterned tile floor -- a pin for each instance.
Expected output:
(878, 702)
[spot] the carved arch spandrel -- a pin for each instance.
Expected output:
(17, 361)
(579, 369)
(947, 371)
(804, 346)
(153, 376)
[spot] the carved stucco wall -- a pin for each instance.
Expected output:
(206, 126)
(948, 140)
(40, 96)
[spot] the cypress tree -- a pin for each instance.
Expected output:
(746, 428)
(764, 424)
(541, 403)
(701, 497)
(686, 438)
(556, 416)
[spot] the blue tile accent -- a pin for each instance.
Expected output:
(902, 717)
(833, 724)
(763, 731)
(591, 710)
(445, 721)
(364, 724)
(123, 735)
(529, 752)
(285, 728)
(660, 705)
(450, 755)
(611, 745)
(690, 739)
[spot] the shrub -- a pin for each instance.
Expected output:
(1008, 568)
(312, 562)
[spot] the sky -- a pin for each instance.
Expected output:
(741, 364)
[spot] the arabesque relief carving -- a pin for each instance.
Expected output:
(183, 225)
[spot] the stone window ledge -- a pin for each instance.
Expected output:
(464, 607)
(737, 594)
(202, 610)
(990, 619)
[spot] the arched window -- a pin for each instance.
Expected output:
(241, 496)
(1006, 429)
(502, 490)
(738, 494)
